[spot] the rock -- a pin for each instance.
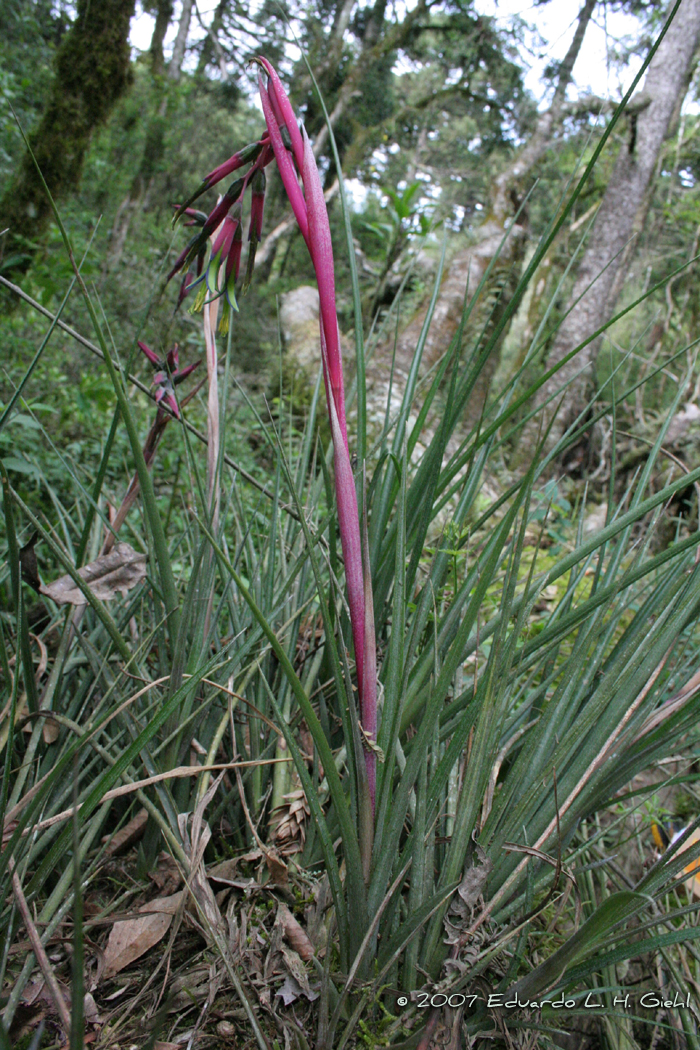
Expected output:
(595, 520)
(682, 423)
(299, 321)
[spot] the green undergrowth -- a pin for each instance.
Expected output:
(536, 685)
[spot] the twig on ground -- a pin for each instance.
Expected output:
(39, 950)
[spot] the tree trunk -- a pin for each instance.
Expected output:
(469, 265)
(137, 197)
(210, 43)
(622, 214)
(164, 14)
(92, 71)
(180, 45)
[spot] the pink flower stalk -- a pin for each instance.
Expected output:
(168, 375)
(284, 142)
(312, 217)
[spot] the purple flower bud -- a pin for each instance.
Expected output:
(173, 359)
(168, 376)
(222, 244)
(184, 288)
(257, 205)
(238, 160)
(217, 216)
(233, 262)
(184, 258)
(243, 156)
(183, 373)
(152, 357)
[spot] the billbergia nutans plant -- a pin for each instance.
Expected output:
(289, 146)
(417, 729)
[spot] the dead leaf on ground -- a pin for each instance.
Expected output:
(90, 1011)
(38, 994)
(295, 933)
(224, 872)
(116, 572)
(279, 873)
(298, 972)
(129, 939)
(28, 564)
(290, 991)
(127, 835)
(167, 876)
(32, 992)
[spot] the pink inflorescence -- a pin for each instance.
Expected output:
(287, 144)
(168, 375)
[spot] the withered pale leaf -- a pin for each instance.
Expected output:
(129, 939)
(113, 573)
(298, 971)
(290, 990)
(90, 1011)
(279, 873)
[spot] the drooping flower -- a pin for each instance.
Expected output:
(257, 210)
(289, 146)
(168, 375)
(295, 158)
(244, 156)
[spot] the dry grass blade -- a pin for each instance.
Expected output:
(676, 702)
(39, 951)
(195, 839)
(172, 774)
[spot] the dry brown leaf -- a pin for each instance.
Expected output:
(39, 994)
(159, 1045)
(167, 876)
(163, 905)
(294, 933)
(33, 990)
(129, 939)
(225, 871)
(127, 835)
(116, 572)
(279, 873)
(50, 731)
(28, 563)
(290, 991)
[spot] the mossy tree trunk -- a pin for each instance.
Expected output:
(92, 71)
(154, 147)
(164, 13)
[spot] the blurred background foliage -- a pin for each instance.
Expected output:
(431, 96)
